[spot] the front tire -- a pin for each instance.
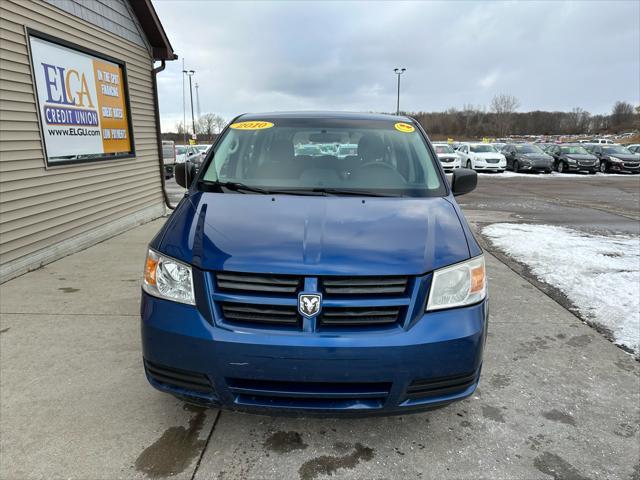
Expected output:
(469, 166)
(603, 167)
(516, 167)
(561, 167)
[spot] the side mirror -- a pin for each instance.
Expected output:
(463, 181)
(185, 173)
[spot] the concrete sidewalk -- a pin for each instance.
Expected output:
(556, 399)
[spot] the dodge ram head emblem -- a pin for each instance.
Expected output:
(309, 304)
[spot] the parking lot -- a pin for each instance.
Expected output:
(557, 398)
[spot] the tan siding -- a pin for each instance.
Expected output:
(39, 206)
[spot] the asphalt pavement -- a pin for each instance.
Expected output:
(556, 399)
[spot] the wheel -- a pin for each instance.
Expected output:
(516, 166)
(547, 171)
(560, 167)
(603, 167)
(469, 166)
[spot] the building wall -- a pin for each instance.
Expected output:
(48, 213)
(111, 15)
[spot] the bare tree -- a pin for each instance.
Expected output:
(576, 121)
(210, 124)
(504, 106)
(180, 128)
(621, 115)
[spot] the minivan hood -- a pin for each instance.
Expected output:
(314, 235)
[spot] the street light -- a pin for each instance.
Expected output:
(398, 72)
(190, 74)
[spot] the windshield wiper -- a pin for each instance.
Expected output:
(238, 187)
(347, 191)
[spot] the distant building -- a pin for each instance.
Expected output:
(80, 134)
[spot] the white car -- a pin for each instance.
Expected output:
(481, 156)
(187, 152)
(602, 141)
(447, 156)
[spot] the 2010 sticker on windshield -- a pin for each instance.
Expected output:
(255, 125)
(404, 127)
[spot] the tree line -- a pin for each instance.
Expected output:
(502, 118)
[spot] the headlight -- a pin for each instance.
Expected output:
(461, 284)
(615, 160)
(571, 160)
(477, 159)
(167, 278)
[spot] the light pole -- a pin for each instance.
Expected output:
(190, 74)
(398, 72)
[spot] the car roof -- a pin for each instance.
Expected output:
(324, 115)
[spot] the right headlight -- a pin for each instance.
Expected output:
(167, 278)
(458, 285)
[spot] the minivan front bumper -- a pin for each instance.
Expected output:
(435, 361)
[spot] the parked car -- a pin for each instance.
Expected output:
(203, 148)
(168, 157)
(527, 157)
(573, 158)
(481, 156)
(447, 156)
(615, 158)
(277, 286)
(191, 154)
(603, 141)
(635, 148)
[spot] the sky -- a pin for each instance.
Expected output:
(286, 55)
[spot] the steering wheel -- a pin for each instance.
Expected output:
(377, 165)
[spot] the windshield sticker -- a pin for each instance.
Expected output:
(257, 125)
(404, 127)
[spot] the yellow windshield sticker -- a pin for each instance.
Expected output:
(256, 125)
(404, 127)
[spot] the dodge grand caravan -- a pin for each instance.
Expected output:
(310, 283)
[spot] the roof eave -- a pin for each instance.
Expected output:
(153, 30)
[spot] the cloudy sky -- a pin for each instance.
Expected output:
(266, 56)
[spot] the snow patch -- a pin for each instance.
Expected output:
(554, 175)
(599, 274)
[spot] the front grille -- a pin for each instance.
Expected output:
(320, 395)
(177, 378)
(364, 285)
(271, 301)
(359, 316)
(437, 387)
(631, 165)
(259, 283)
(587, 164)
(493, 160)
(448, 160)
(260, 313)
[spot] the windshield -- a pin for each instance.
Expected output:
(527, 148)
(443, 149)
(482, 148)
(574, 149)
(181, 150)
(202, 148)
(617, 149)
(290, 155)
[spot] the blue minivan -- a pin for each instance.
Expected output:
(289, 279)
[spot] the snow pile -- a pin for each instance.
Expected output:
(600, 275)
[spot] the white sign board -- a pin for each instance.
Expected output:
(82, 104)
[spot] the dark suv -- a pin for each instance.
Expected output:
(570, 158)
(615, 158)
(527, 157)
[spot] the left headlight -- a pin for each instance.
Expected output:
(167, 278)
(458, 285)
(615, 160)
